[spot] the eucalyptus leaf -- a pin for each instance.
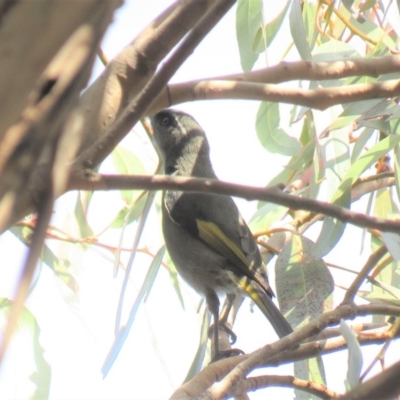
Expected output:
(248, 22)
(355, 357)
(266, 34)
(298, 31)
(304, 284)
(30, 354)
(271, 136)
(127, 163)
(142, 295)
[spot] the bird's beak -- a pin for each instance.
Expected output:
(147, 127)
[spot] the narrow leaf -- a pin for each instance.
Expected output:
(355, 357)
(271, 136)
(143, 294)
(265, 35)
(248, 22)
(28, 353)
(298, 31)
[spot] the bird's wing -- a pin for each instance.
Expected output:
(215, 219)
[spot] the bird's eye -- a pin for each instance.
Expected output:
(165, 121)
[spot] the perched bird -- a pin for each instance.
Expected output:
(208, 240)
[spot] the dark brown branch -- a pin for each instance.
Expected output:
(275, 195)
(373, 259)
(116, 132)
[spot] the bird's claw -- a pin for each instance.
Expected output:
(228, 330)
(226, 354)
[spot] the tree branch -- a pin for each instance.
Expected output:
(373, 259)
(317, 71)
(136, 108)
(384, 386)
(217, 371)
(259, 382)
(128, 73)
(93, 181)
(320, 98)
(260, 357)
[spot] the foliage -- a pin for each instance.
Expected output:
(327, 113)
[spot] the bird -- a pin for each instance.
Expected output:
(207, 239)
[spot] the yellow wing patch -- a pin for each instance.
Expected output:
(246, 286)
(211, 234)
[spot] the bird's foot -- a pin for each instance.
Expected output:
(222, 354)
(226, 328)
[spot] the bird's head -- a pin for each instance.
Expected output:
(174, 130)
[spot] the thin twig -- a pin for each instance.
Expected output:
(361, 276)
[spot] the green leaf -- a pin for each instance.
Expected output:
(309, 13)
(81, 218)
(386, 207)
(360, 143)
(365, 161)
(311, 370)
(266, 215)
(28, 353)
(265, 35)
(271, 136)
(381, 299)
(153, 271)
(331, 232)
(374, 31)
(173, 275)
(50, 259)
(335, 152)
(385, 284)
(197, 363)
(142, 295)
(318, 171)
(304, 284)
(297, 164)
(366, 5)
(127, 214)
(333, 50)
(355, 112)
(248, 21)
(397, 169)
(127, 163)
(298, 31)
(355, 357)
(390, 291)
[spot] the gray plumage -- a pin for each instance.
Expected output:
(206, 237)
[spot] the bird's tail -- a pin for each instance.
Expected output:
(267, 307)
